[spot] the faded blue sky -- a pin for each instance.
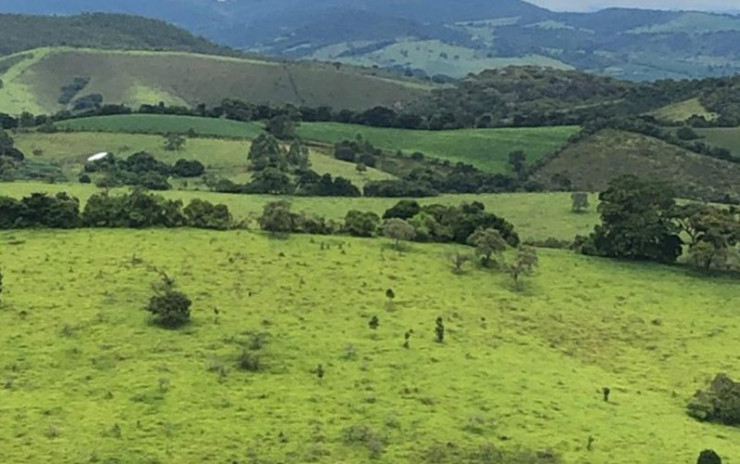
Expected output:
(588, 5)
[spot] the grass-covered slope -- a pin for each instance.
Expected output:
(725, 137)
(591, 163)
(134, 78)
(487, 149)
(87, 378)
(222, 158)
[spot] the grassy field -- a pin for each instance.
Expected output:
(537, 216)
(224, 158)
(726, 137)
(682, 111)
(163, 124)
(86, 378)
(487, 149)
(134, 78)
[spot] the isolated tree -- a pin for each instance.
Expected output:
(524, 263)
(390, 294)
(374, 322)
(439, 330)
(580, 201)
(398, 230)
(637, 222)
(174, 142)
(171, 308)
(361, 168)
(517, 161)
(487, 243)
(458, 261)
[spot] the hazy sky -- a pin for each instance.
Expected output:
(585, 5)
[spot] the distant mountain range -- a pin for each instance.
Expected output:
(443, 37)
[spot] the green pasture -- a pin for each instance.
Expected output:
(537, 216)
(86, 377)
(222, 157)
(487, 149)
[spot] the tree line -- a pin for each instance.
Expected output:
(641, 220)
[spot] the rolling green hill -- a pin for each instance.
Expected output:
(34, 82)
(88, 378)
(107, 31)
(592, 162)
(222, 158)
(487, 149)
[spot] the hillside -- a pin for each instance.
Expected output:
(486, 149)
(528, 367)
(592, 162)
(107, 31)
(440, 37)
(34, 81)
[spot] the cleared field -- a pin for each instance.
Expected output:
(682, 111)
(536, 216)
(487, 149)
(87, 379)
(224, 158)
(163, 124)
(135, 78)
(726, 137)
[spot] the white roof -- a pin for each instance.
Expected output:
(98, 156)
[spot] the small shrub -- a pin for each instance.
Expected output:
(439, 330)
(249, 361)
(171, 309)
(374, 322)
(709, 457)
(721, 403)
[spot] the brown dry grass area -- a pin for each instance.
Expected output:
(593, 162)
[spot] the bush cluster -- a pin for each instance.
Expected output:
(136, 209)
